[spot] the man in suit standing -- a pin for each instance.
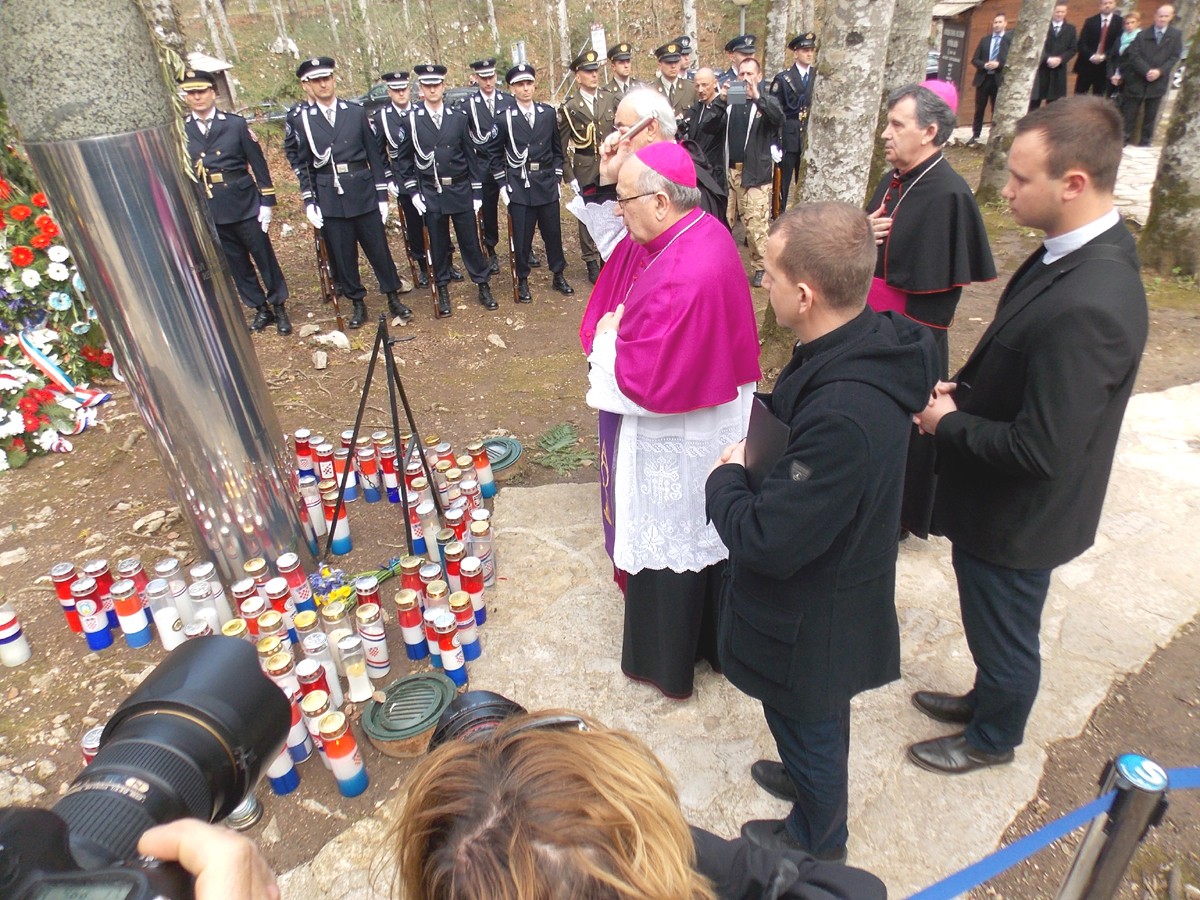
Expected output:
(793, 87)
(585, 119)
(224, 152)
(680, 92)
(991, 56)
(483, 109)
(1050, 84)
(1096, 39)
(441, 167)
(343, 185)
(1027, 430)
(527, 163)
(1150, 59)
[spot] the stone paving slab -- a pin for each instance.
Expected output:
(554, 632)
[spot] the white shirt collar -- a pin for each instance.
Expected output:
(1063, 244)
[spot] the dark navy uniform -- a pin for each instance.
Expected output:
(527, 158)
(341, 171)
(482, 113)
(442, 164)
(794, 89)
(232, 169)
(391, 123)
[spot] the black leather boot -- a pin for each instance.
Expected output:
(443, 302)
(359, 314)
(422, 274)
(486, 300)
(282, 324)
(534, 260)
(398, 309)
(523, 295)
(561, 284)
(593, 270)
(493, 264)
(455, 273)
(263, 316)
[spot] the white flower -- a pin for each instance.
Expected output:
(5, 265)
(12, 285)
(31, 278)
(58, 253)
(46, 439)
(3, 461)
(58, 271)
(12, 424)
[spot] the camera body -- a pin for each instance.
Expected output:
(736, 95)
(191, 741)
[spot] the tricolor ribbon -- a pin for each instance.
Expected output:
(86, 397)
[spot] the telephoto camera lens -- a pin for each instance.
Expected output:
(191, 741)
(473, 716)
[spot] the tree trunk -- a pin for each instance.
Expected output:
(493, 25)
(252, 7)
(1013, 99)
(564, 34)
(1170, 242)
(905, 64)
(431, 30)
(777, 37)
(223, 21)
(368, 39)
(842, 124)
(214, 31)
(333, 28)
(691, 25)
(164, 20)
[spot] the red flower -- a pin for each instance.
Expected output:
(106, 360)
(28, 405)
(20, 212)
(3, 223)
(40, 241)
(42, 221)
(42, 395)
(44, 419)
(50, 229)
(31, 423)
(39, 199)
(18, 444)
(21, 256)
(5, 189)
(90, 353)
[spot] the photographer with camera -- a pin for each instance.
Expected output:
(225, 864)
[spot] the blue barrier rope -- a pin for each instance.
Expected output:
(1007, 857)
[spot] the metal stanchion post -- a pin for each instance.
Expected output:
(1112, 837)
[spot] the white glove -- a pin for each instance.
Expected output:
(505, 194)
(264, 217)
(559, 186)
(776, 154)
(393, 191)
(477, 205)
(314, 216)
(575, 185)
(384, 209)
(418, 203)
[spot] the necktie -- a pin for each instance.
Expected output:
(1056, 31)
(204, 124)
(491, 105)
(1103, 34)
(329, 115)
(529, 118)
(1157, 36)
(995, 47)
(437, 119)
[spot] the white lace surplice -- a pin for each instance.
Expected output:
(662, 463)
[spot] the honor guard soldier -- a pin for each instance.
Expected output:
(442, 168)
(680, 92)
(527, 165)
(391, 122)
(585, 119)
(793, 88)
(685, 57)
(483, 108)
(224, 152)
(620, 58)
(343, 185)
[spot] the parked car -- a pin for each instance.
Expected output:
(932, 58)
(267, 111)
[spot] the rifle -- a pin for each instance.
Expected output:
(325, 274)
(432, 271)
(776, 191)
(512, 249)
(412, 260)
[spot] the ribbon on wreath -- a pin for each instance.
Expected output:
(85, 396)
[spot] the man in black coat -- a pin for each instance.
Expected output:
(443, 169)
(390, 121)
(1050, 83)
(343, 185)
(990, 59)
(1096, 39)
(224, 153)
(1149, 61)
(706, 125)
(483, 108)
(527, 164)
(794, 89)
(1026, 432)
(808, 614)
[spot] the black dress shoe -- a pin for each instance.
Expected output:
(283, 325)
(773, 778)
(534, 260)
(486, 300)
(944, 707)
(455, 273)
(772, 834)
(561, 284)
(593, 270)
(398, 309)
(952, 755)
(359, 314)
(523, 295)
(443, 302)
(758, 277)
(263, 316)
(422, 274)
(493, 264)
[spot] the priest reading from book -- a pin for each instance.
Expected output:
(673, 361)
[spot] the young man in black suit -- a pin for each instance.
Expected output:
(1050, 83)
(1096, 39)
(1151, 57)
(991, 56)
(1027, 430)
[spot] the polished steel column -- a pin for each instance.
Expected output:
(85, 91)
